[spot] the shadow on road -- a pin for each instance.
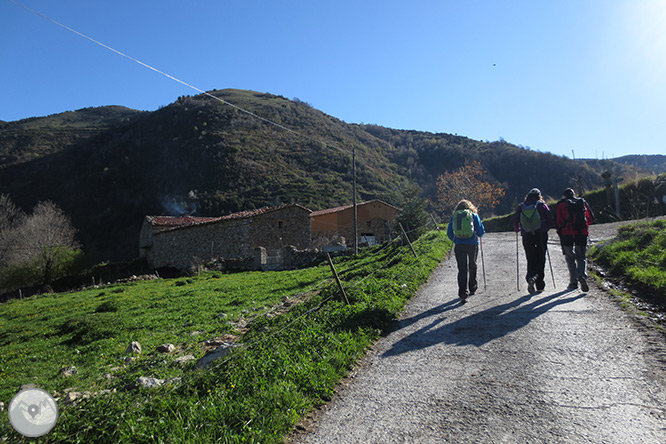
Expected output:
(478, 328)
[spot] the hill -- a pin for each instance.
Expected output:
(109, 167)
(29, 139)
(653, 164)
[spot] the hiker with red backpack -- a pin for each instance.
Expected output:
(465, 229)
(533, 220)
(573, 216)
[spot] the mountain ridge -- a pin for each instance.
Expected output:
(109, 168)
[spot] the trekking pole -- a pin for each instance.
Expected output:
(517, 265)
(551, 265)
(483, 264)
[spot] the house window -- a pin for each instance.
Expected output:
(279, 224)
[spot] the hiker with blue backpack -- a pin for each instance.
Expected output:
(533, 220)
(573, 216)
(465, 229)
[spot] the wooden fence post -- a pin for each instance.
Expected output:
(407, 237)
(337, 279)
(434, 221)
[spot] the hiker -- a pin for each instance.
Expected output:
(533, 219)
(465, 229)
(572, 218)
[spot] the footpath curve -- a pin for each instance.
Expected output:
(558, 366)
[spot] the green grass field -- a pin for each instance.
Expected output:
(290, 360)
(638, 256)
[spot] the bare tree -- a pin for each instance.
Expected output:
(45, 232)
(44, 240)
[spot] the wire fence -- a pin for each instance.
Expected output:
(360, 265)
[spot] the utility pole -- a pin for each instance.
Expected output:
(618, 213)
(354, 200)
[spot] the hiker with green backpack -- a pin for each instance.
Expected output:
(533, 219)
(465, 229)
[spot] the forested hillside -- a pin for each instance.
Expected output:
(653, 164)
(29, 139)
(109, 167)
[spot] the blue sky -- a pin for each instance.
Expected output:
(587, 76)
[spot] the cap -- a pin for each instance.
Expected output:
(534, 191)
(568, 193)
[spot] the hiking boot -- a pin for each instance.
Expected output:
(530, 285)
(472, 290)
(583, 285)
(463, 296)
(540, 285)
(573, 285)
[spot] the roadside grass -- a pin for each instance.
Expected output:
(637, 255)
(287, 365)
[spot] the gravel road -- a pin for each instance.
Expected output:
(559, 366)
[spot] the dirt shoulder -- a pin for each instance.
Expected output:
(559, 366)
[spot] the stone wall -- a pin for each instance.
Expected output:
(184, 247)
(232, 239)
(277, 229)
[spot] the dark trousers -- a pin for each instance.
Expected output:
(575, 250)
(466, 259)
(535, 245)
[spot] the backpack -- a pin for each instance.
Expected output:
(577, 217)
(463, 224)
(530, 219)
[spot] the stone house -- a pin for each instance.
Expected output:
(374, 219)
(181, 242)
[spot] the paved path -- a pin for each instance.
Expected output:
(555, 367)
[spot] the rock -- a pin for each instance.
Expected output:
(166, 348)
(214, 342)
(148, 382)
(134, 347)
(68, 371)
(72, 397)
(218, 353)
(183, 359)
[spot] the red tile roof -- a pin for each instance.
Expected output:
(163, 223)
(345, 207)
